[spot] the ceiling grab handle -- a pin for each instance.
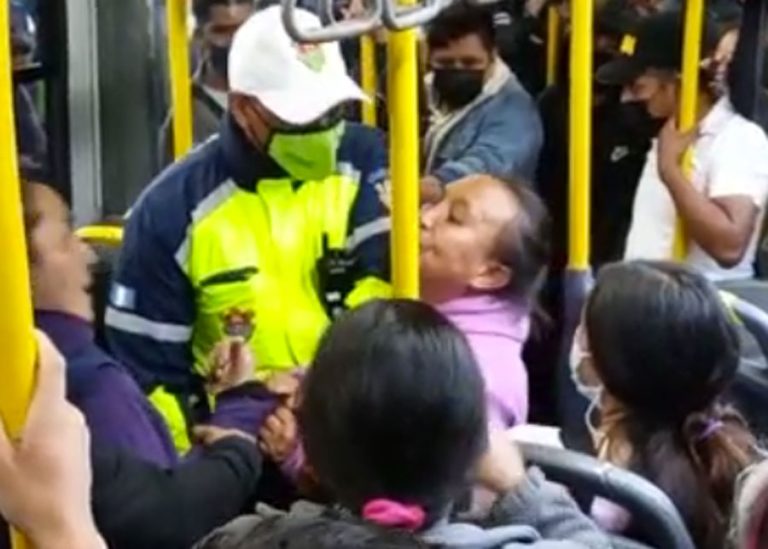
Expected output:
(398, 17)
(340, 30)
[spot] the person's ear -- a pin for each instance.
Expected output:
(248, 116)
(493, 276)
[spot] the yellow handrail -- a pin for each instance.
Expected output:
(16, 321)
(181, 84)
(368, 78)
(108, 234)
(553, 43)
(402, 74)
(694, 21)
(580, 158)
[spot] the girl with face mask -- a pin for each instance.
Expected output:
(656, 350)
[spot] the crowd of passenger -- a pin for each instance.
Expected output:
(262, 386)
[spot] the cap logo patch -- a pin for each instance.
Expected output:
(311, 55)
(628, 45)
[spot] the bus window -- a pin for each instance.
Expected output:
(40, 136)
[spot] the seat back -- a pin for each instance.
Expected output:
(653, 514)
(749, 301)
(105, 239)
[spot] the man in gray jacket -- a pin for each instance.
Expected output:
(217, 21)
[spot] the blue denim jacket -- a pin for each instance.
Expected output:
(499, 133)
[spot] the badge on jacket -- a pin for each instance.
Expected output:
(238, 323)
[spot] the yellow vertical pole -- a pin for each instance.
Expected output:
(368, 80)
(553, 43)
(580, 130)
(689, 95)
(402, 74)
(181, 84)
(15, 303)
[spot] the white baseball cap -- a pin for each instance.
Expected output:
(298, 83)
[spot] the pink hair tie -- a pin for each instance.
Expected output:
(393, 514)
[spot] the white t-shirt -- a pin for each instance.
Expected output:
(730, 158)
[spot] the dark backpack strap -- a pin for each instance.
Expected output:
(210, 103)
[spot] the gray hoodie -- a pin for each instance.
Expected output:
(537, 514)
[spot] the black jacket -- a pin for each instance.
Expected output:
(138, 505)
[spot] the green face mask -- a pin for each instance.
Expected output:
(307, 156)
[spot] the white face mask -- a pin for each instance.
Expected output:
(592, 393)
(577, 358)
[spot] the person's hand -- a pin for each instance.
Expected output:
(286, 386)
(384, 190)
(502, 468)
(432, 190)
(45, 476)
(207, 435)
(279, 436)
(672, 146)
(231, 364)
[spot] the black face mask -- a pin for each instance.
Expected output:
(219, 59)
(456, 88)
(635, 118)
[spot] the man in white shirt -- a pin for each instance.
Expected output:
(721, 203)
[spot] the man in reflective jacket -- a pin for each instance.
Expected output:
(263, 232)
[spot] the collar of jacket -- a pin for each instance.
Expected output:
(246, 163)
(68, 332)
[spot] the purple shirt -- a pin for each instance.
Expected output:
(496, 330)
(118, 413)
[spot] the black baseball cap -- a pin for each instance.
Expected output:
(656, 43)
(616, 18)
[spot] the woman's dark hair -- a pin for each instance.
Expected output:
(664, 345)
(202, 8)
(31, 174)
(393, 407)
(313, 532)
(524, 243)
(458, 20)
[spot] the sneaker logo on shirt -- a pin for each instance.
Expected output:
(238, 323)
(619, 153)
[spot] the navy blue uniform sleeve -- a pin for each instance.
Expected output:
(152, 306)
(365, 148)
(138, 504)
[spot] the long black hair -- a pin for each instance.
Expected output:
(664, 345)
(393, 407)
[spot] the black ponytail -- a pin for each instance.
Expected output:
(720, 446)
(696, 462)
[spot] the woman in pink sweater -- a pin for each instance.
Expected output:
(484, 248)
